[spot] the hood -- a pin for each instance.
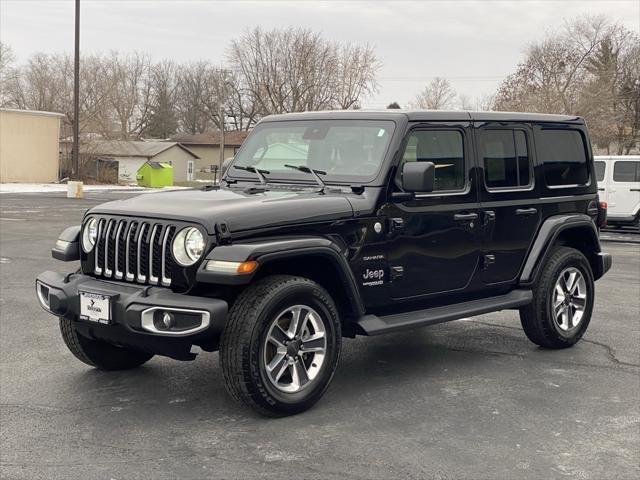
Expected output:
(240, 210)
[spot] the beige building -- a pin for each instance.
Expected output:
(29, 146)
(207, 147)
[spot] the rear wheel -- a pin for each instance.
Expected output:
(281, 344)
(99, 354)
(562, 301)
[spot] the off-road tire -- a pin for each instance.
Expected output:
(246, 329)
(99, 354)
(537, 318)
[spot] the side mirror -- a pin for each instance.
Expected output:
(225, 166)
(418, 176)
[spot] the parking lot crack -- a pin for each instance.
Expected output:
(611, 354)
(608, 350)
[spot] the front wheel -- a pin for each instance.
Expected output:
(281, 344)
(562, 300)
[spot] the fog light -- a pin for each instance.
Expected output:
(167, 320)
(163, 320)
(174, 321)
(43, 295)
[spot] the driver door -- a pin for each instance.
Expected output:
(434, 246)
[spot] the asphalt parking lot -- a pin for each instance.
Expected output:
(467, 399)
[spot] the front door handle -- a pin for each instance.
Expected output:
(465, 217)
(526, 211)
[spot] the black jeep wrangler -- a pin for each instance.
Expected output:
(335, 224)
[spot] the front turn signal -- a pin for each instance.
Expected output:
(240, 268)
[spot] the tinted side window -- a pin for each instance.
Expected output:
(445, 149)
(600, 168)
(564, 157)
(626, 172)
(505, 158)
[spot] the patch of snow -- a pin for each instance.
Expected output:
(62, 188)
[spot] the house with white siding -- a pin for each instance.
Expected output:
(131, 155)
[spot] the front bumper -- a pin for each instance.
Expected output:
(133, 309)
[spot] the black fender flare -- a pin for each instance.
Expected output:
(268, 250)
(548, 233)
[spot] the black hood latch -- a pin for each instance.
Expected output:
(223, 233)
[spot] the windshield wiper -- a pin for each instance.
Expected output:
(259, 172)
(316, 174)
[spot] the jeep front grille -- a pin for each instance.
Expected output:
(133, 250)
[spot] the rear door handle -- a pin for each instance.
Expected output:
(465, 217)
(634, 189)
(526, 211)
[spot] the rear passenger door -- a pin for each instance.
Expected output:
(509, 196)
(624, 192)
(602, 177)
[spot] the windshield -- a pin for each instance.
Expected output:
(348, 151)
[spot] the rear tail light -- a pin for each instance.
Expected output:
(602, 214)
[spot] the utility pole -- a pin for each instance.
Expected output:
(223, 99)
(221, 113)
(75, 169)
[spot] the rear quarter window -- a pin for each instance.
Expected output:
(626, 172)
(564, 156)
(600, 169)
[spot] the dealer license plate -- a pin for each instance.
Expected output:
(95, 307)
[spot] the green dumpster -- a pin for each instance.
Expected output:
(155, 175)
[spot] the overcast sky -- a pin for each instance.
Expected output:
(474, 43)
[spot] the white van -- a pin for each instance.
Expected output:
(619, 186)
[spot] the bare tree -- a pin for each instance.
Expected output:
(7, 60)
(465, 102)
(192, 113)
(294, 70)
(163, 121)
(581, 70)
(356, 75)
(437, 95)
(242, 112)
(553, 73)
(627, 116)
(130, 94)
(126, 96)
(217, 89)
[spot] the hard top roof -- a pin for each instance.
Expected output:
(426, 116)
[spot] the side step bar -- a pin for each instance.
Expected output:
(374, 325)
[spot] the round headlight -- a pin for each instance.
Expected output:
(89, 235)
(188, 246)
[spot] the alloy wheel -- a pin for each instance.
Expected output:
(294, 349)
(569, 299)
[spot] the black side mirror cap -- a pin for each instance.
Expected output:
(67, 247)
(418, 176)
